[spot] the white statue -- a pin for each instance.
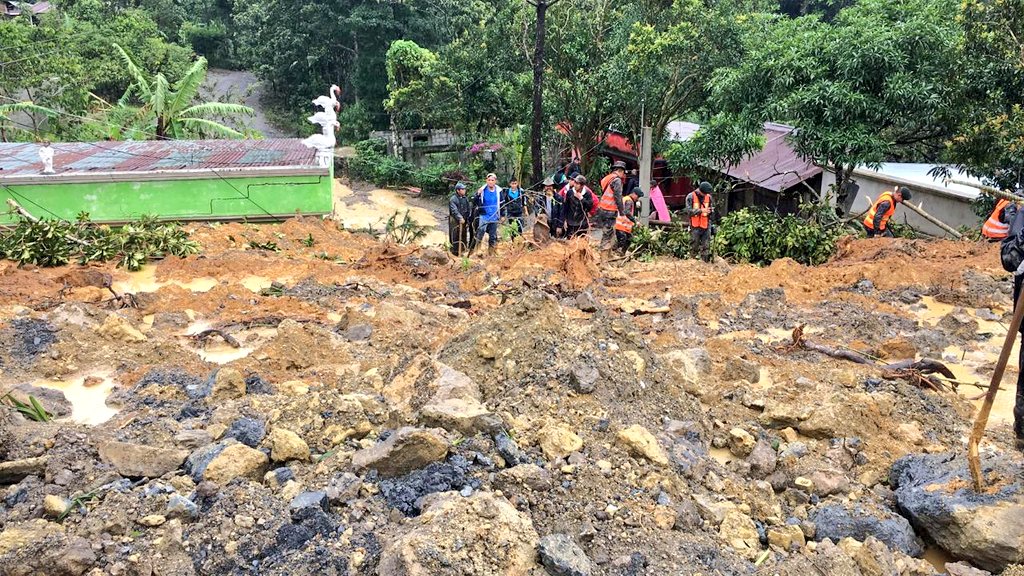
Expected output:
(328, 121)
(46, 155)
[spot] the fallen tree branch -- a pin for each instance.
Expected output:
(945, 227)
(206, 334)
(915, 371)
(28, 216)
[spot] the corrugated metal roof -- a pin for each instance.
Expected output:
(776, 167)
(75, 158)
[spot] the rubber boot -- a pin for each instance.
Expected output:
(492, 251)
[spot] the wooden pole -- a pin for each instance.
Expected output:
(973, 461)
(987, 189)
(646, 162)
(945, 227)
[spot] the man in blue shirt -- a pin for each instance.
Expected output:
(488, 198)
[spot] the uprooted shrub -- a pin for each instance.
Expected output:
(759, 236)
(58, 242)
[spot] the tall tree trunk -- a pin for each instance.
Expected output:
(538, 90)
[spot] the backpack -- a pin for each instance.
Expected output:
(1011, 248)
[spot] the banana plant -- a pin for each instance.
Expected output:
(168, 109)
(7, 124)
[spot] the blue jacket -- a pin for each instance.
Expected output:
(489, 201)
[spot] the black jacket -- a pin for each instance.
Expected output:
(577, 211)
(512, 208)
(459, 208)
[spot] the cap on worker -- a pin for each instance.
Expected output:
(574, 175)
(905, 193)
(549, 181)
(460, 186)
(706, 187)
(619, 165)
(580, 178)
(638, 191)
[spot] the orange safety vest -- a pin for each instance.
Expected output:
(608, 195)
(700, 220)
(869, 220)
(622, 222)
(993, 227)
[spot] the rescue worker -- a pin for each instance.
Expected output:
(877, 219)
(514, 206)
(627, 220)
(459, 214)
(699, 208)
(997, 226)
(610, 206)
(1016, 228)
(488, 199)
(576, 209)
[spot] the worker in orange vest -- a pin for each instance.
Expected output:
(877, 219)
(699, 207)
(997, 226)
(627, 220)
(609, 207)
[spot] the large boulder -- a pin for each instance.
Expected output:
(640, 442)
(139, 460)
(862, 519)
(481, 535)
(405, 450)
(563, 557)
(237, 461)
(935, 492)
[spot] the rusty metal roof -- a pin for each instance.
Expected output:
(79, 158)
(777, 166)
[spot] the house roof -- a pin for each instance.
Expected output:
(776, 167)
(138, 158)
(917, 176)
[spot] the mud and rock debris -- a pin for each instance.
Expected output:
(569, 434)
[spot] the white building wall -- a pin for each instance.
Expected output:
(951, 208)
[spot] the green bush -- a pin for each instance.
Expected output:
(58, 242)
(211, 40)
(759, 236)
(356, 123)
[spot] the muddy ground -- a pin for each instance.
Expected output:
(344, 406)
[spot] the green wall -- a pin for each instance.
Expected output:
(179, 199)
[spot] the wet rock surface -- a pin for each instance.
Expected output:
(936, 493)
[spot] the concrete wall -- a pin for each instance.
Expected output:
(950, 208)
(198, 198)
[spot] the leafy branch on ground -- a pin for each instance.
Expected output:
(57, 242)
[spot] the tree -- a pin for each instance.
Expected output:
(669, 59)
(881, 82)
(990, 141)
(413, 76)
(168, 112)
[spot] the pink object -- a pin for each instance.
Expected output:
(658, 201)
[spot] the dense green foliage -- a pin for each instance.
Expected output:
(759, 236)
(58, 242)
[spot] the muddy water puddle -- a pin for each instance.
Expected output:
(356, 213)
(88, 396)
(974, 362)
(145, 280)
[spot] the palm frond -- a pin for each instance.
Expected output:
(188, 86)
(211, 127)
(138, 76)
(217, 109)
(29, 107)
(161, 95)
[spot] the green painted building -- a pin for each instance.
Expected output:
(173, 179)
